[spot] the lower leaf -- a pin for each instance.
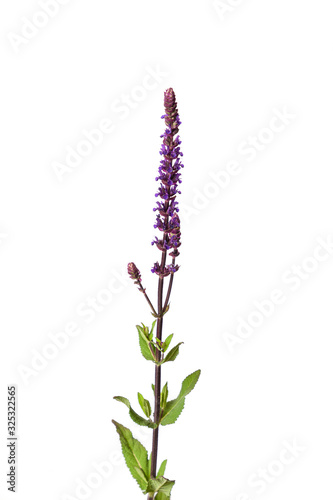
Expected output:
(161, 496)
(135, 454)
(160, 484)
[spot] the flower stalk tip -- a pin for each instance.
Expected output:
(167, 219)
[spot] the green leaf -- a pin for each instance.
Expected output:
(173, 413)
(161, 470)
(153, 387)
(134, 416)
(141, 400)
(174, 407)
(167, 487)
(171, 356)
(153, 326)
(160, 484)
(161, 496)
(135, 454)
(167, 341)
(144, 345)
(141, 474)
(145, 405)
(164, 398)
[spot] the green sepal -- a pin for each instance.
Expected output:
(135, 454)
(174, 407)
(161, 470)
(134, 416)
(160, 484)
(164, 398)
(147, 349)
(145, 405)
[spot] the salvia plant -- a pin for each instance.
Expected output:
(151, 480)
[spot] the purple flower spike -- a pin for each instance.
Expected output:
(167, 220)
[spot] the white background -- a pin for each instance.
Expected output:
(64, 238)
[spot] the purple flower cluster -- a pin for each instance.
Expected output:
(167, 220)
(170, 269)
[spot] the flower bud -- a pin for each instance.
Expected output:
(134, 273)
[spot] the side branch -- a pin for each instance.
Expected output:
(170, 287)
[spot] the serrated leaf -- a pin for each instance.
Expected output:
(145, 405)
(141, 474)
(174, 407)
(135, 454)
(160, 484)
(134, 416)
(172, 354)
(161, 470)
(167, 342)
(173, 413)
(144, 345)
